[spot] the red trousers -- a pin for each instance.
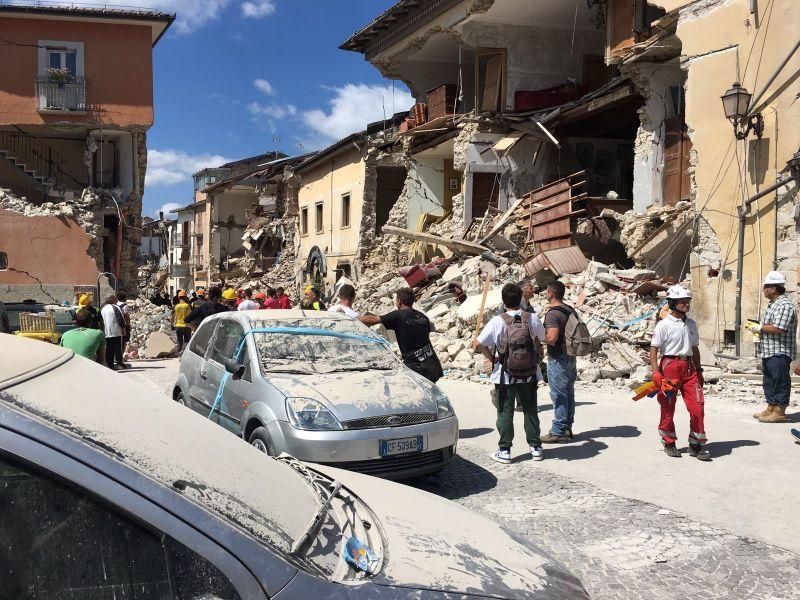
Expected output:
(684, 373)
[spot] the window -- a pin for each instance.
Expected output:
(226, 340)
(3, 261)
(199, 343)
(318, 217)
(63, 60)
(64, 56)
(304, 221)
(62, 543)
(346, 210)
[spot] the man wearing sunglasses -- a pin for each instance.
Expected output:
(676, 339)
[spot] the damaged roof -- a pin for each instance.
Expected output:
(332, 150)
(158, 21)
(393, 22)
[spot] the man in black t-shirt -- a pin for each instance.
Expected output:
(412, 329)
(206, 308)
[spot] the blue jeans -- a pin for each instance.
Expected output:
(777, 379)
(561, 375)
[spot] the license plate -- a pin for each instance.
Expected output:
(401, 446)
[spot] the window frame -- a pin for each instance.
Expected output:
(126, 502)
(43, 52)
(319, 217)
(343, 213)
(304, 221)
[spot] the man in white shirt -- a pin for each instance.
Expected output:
(347, 295)
(248, 303)
(114, 329)
(512, 342)
(676, 338)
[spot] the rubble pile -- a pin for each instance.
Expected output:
(146, 320)
(82, 209)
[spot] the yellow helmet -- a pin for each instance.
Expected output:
(84, 300)
(229, 294)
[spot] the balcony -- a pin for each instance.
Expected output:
(67, 96)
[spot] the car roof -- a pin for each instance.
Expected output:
(291, 313)
(156, 436)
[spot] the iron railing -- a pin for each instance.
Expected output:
(35, 156)
(67, 95)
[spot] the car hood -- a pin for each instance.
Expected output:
(360, 394)
(435, 544)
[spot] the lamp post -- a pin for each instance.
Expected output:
(736, 103)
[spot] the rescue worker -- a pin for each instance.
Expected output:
(311, 300)
(230, 298)
(676, 338)
(777, 347)
(85, 302)
(282, 300)
(201, 297)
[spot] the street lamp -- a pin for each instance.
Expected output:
(736, 102)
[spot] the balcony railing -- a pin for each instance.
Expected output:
(61, 95)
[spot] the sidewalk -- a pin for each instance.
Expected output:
(751, 488)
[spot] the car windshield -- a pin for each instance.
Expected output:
(307, 352)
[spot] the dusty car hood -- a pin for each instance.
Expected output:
(435, 544)
(359, 394)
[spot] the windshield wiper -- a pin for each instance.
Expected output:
(316, 521)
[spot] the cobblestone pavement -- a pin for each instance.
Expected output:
(620, 548)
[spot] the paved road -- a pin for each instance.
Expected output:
(597, 521)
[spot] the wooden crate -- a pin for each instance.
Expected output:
(442, 101)
(32, 322)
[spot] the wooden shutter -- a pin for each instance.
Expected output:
(492, 83)
(677, 151)
(621, 14)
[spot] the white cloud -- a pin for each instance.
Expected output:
(193, 14)
(262, 85)
(170, 167)
(166, 208)
(352, 107)
(272, 111)
(258, 9)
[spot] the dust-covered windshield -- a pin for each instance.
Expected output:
(307, 352)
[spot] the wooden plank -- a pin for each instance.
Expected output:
(459, 245)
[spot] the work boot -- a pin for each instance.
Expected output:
(777, 415)
(763, 413)
(552, 438)
(672, 450)
(697, 451)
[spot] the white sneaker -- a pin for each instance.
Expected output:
(536, 453)
(502, 456)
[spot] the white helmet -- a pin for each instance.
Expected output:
(677, 292)
(775, 278)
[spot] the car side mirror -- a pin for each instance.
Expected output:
(236, 369)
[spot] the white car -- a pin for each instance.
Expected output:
(319, 386)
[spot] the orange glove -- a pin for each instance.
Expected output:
(658, 379)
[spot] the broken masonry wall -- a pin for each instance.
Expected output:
(537, 57)
(715, 37)
(374, 159)
(655, 82)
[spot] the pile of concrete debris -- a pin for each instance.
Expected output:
(151, 333)
(82, 209)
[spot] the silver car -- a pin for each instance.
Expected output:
(319, 386)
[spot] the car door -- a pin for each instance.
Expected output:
(193, 368)
(70, 532)
(226, 340)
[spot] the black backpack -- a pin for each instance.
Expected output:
(519, 354)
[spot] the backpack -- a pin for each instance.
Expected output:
(576, 340)
(519, 355)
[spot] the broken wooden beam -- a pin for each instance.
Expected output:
(455, 244)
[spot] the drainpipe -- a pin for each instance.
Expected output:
(743, 210)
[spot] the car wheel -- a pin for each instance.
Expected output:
(181, 399)
(260, 440)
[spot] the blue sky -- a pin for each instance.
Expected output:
(238, 78)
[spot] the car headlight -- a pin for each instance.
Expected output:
(443, 407)
(311, 415)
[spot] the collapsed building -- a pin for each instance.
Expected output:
(73, 155)
(560, 120)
